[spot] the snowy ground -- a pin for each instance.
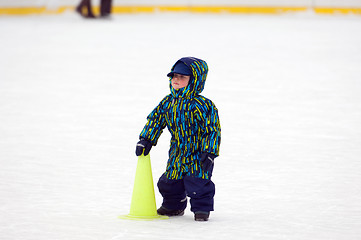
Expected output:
(74, 95)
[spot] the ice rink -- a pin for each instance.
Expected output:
(75, 93)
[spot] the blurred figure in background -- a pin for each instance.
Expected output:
(105, 8)
(85, 9)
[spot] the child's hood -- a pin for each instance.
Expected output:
(199, 69)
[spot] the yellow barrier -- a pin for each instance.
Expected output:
(33, 10)
(206, 9)
(191, 9)
(338, 10)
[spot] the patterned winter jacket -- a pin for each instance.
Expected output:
(192, 121)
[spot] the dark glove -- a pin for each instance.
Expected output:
(145, 145)
(207, 160)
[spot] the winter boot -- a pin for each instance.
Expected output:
(201, 216)
(164, 211)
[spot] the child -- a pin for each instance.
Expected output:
(196, 136)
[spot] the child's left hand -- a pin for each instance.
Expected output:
(207, 160)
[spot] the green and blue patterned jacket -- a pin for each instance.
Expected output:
(192, 121)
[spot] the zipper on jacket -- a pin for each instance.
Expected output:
(176, 100)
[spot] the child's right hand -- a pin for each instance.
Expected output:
(145, 145)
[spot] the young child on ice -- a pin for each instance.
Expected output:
(196, 136)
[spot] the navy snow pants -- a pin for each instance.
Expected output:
(175, 192)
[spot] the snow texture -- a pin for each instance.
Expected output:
(75, 93)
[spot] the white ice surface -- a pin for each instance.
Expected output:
(74, 95)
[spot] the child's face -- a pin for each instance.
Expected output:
(179, 81)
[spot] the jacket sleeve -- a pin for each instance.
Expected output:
(207, 115)
(155, 124)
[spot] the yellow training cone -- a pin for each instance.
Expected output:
(143, 206)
